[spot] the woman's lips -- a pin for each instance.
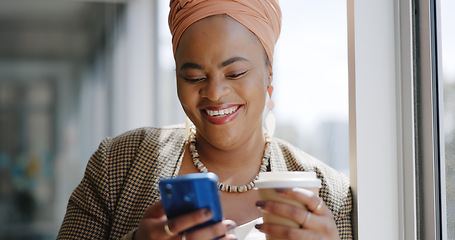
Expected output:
(221, 115)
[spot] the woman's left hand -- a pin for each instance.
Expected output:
(316, 222)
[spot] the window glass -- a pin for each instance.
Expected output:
(310, 78)
(447, 34)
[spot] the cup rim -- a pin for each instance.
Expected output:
(305, 179)
(288, 183)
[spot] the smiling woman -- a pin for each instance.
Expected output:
(75, 72)
(309, 77)
(223, 52)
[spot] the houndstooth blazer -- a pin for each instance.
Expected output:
(121, 181)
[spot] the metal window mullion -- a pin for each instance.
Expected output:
(405, 120)
(427, 119)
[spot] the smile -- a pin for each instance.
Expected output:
(222, 112)
(220, 116)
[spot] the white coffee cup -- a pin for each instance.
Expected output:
(269, 181)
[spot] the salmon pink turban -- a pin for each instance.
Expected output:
(262, 17)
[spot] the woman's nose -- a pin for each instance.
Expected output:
(215, 89)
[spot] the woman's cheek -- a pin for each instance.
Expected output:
(189, 100)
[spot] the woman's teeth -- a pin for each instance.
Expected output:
(223, 112)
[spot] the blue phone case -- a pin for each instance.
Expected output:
(187, 193)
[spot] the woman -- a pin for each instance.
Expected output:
(223, 52)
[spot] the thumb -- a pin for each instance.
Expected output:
(154, 211)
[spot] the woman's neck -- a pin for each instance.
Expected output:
(234, 166)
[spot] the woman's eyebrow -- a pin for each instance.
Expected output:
(232, 60)
(191, 65)
(223, 64)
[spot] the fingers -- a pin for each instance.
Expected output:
(307, 197)
(214, 231)
(314, 227)
(299, 215)
(155, 225)
(154, 211)
(284, 232)
(184, 222)
(316, 220)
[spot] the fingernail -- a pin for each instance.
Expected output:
(260, 204)
(258, 226)
(231, 225)
(280, 190)
(207, 212)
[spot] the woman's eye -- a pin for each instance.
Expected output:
(193, 79)
(237, 75)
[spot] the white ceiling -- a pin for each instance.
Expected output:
(53, 29)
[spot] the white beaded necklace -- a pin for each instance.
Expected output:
(226, 187)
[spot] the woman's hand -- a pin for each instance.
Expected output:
(316, 222)
(155, 226)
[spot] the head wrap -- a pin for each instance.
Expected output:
(262, 17)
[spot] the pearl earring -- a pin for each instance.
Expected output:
(270, 121)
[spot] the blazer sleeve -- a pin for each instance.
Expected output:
(337, 194)
(87, 214)
(343, 218)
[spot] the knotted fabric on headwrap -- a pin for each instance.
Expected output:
(262, 17)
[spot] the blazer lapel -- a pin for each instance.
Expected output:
(156, 158)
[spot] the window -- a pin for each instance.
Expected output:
(435, 155)
(311, 80)
(402, 124)
(447, 113)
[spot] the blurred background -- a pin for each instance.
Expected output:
(73, 72)
(447, 113)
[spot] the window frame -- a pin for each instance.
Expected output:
(409, 132)
(374, 118)
(431, 160)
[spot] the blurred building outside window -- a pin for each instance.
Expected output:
(447, 38)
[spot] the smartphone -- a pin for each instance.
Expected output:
(188, 193)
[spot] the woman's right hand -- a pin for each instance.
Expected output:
(154, 222)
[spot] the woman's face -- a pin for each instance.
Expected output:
(222, 80)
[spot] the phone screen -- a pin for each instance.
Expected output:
(191, 192)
